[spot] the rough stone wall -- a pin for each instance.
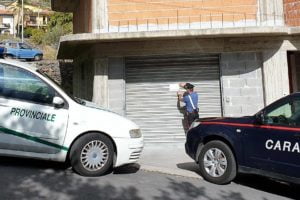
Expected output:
(60, 71)
(292, 12)
(242, 84)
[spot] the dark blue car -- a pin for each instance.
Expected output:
(267, 143)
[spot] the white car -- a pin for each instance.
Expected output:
(39, 120)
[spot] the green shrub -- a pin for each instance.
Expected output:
(28, 32)
(37, 36)
(52, 36)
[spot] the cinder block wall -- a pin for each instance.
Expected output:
(242, 85)
(126, 12)
(292, 12)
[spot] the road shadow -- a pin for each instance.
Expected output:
(127, 169)
(39, 182)
(190, 166)
(269, 185)
(32, 163)
(57, 166)
(183, 190)
(256, 182)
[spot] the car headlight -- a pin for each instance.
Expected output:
(195, 124)
(135, 133)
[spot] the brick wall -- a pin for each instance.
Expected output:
(292, 12)
(133, 12)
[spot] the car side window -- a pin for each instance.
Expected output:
(13, 45)
(20, 84)
(23, 46)
(287, 114)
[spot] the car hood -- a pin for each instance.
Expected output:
(245, 119)
(94, 105)
(95, 117)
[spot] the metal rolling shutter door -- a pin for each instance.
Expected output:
(153, 107)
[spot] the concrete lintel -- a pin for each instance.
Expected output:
(202, 33)
(294, 31)
(73, 45)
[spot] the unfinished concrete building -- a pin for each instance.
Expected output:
(129, 55)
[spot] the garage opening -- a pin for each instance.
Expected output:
(152, 103)
(294, 71)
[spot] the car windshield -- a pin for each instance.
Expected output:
(77, 100)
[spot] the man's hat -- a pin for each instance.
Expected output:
(188, 86)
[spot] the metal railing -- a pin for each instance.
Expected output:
(205, 21)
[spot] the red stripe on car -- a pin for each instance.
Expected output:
(252, 126)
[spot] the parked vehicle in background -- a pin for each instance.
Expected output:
(21, 50)
(1, 51)
(266, 144)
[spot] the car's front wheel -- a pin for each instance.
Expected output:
(38, 57)
(217, 162)
(92, 154)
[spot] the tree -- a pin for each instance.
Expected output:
(60, 24)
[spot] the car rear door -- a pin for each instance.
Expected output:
(274, 144)
(29, 121)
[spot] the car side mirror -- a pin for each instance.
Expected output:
(260, 118)
(58, 102)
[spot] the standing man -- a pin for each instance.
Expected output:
(190, 98)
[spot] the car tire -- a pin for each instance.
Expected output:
(92, 155)
(38, 57)
(217, 163)
(8, 57)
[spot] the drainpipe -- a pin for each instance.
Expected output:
(22, 21)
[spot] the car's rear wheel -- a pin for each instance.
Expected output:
(92, 155)
(8, 57)
(217, 162)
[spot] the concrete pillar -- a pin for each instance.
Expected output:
(116, 84)
(270, 13)
(99, 16)
(100, 84)
(276, 76)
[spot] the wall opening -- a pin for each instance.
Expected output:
(294, 70)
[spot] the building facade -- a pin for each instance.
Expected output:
(38, 19)
(6, 21)
(10, 17)
(130, 55)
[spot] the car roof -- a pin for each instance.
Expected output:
(19, 64)
(9, 41)
(297, 94)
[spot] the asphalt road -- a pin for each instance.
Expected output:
(31, 179)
